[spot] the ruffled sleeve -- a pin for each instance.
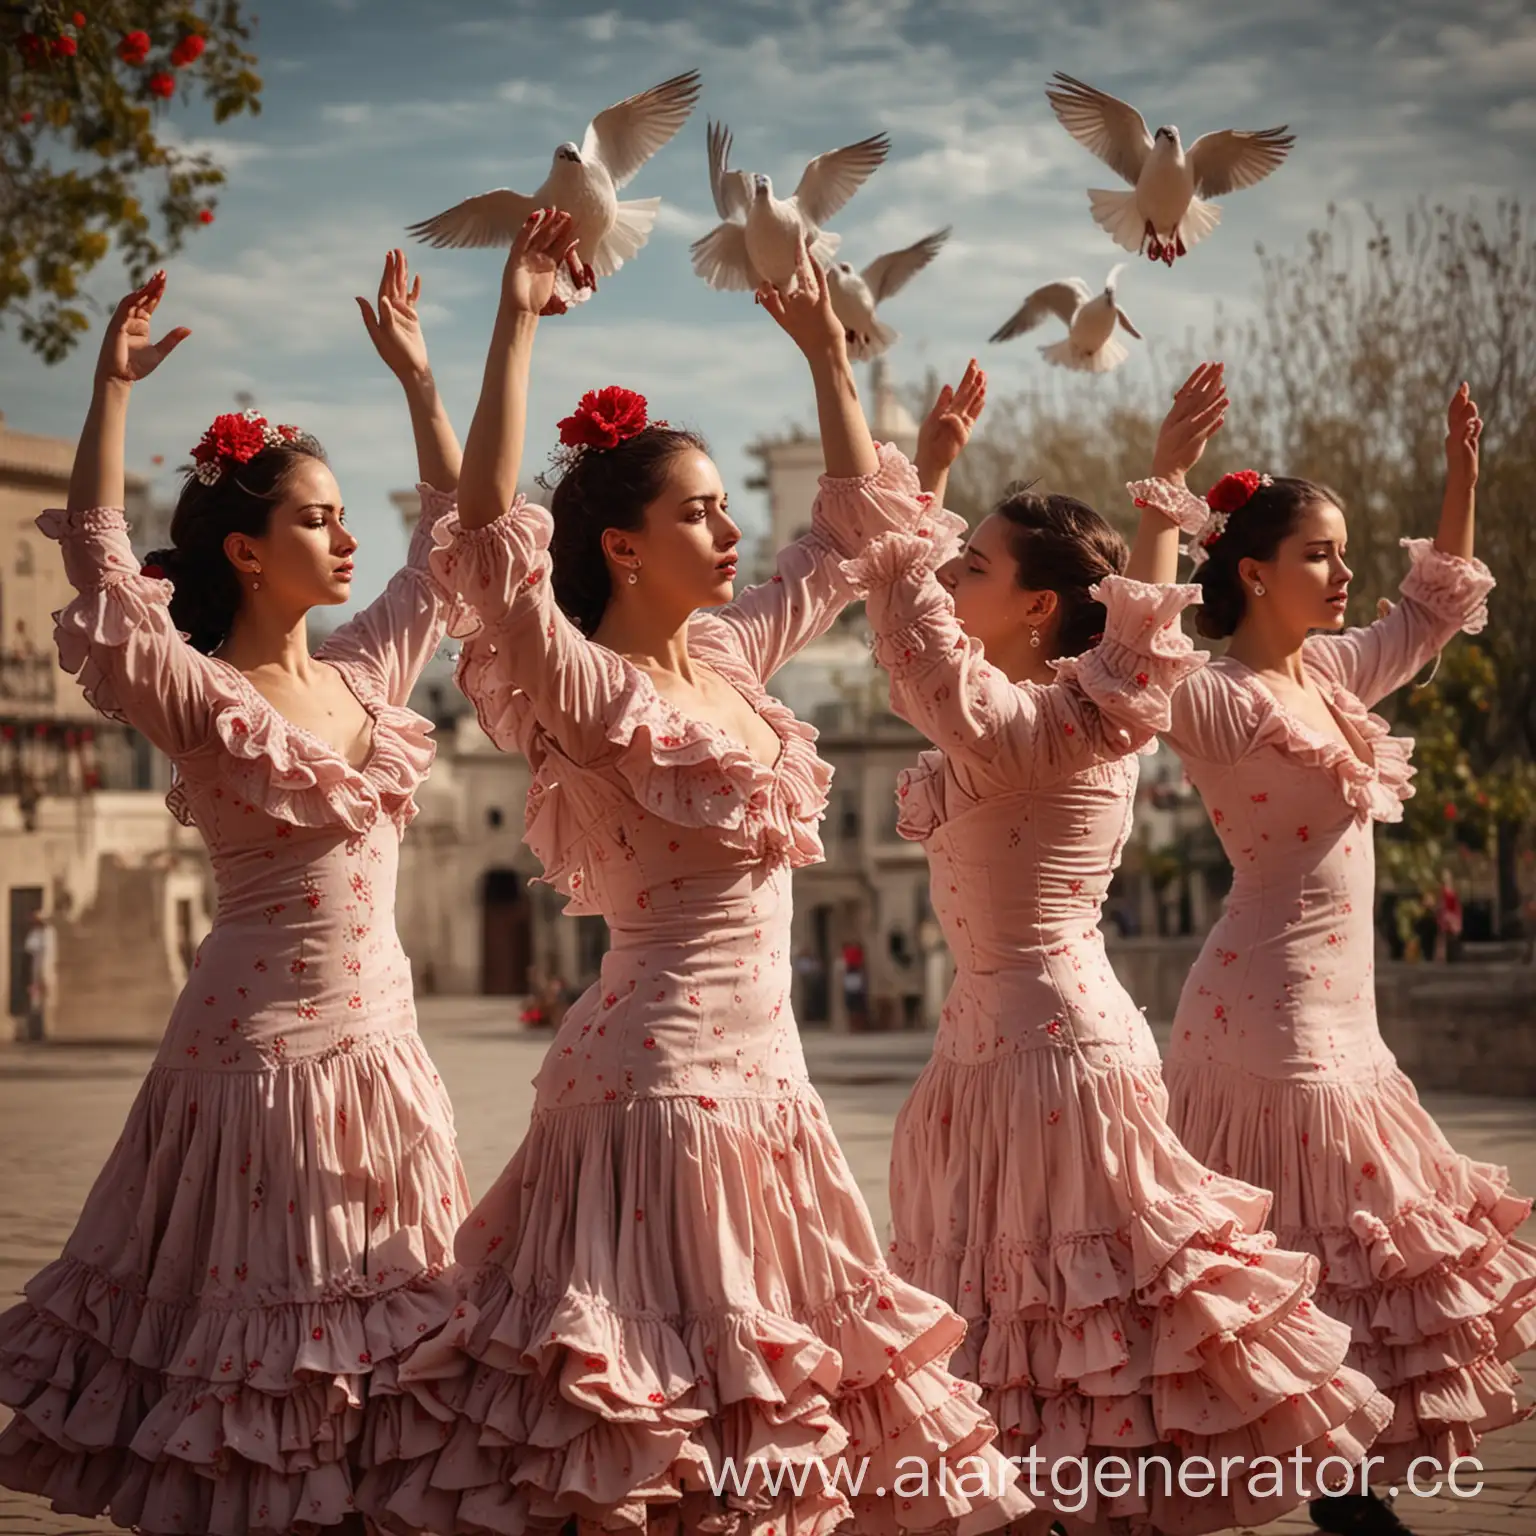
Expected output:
(396, 635)
(117, 637)
(523, 662)
(1186, 511)
(774, 620)
(1103, 705)
(1441, 595)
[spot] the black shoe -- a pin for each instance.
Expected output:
(1355, 1514)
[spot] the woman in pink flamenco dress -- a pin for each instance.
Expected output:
(271, 1228)
(1277, 1070)
(1124, 1307)
(675, 1280)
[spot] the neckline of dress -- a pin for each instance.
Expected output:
(771, 770)
(1327, 691)
(324, 746)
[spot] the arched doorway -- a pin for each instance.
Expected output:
(505, 934)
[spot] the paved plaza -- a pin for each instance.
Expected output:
(61, 1109)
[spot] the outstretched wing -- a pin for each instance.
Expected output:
(890, 273)
(1062, 299)
(831, 179)
(493, 218)
(627, 134)
(732, 190)
(1233, 159)
(1113, 129)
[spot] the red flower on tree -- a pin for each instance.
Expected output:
(1233, 491)
(78, 18)
(64, 48)
(1450, 810)
(604, 418)
(188, 50)
(32, 48)
(162, 85)
(206, 216)
(134, 48)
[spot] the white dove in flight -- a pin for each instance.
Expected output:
(584, 183)
(856, 295)
(1165, 212)
(758, 238)
(1090, 345)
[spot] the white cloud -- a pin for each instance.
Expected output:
(353, 114)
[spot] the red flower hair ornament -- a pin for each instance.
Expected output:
(604, 418)
(1230, 494)
(237, 439)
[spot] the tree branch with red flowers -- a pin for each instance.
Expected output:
(84, 94)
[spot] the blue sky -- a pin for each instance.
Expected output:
(381, 112)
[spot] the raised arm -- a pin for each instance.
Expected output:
(947, 429)
(1198, 410)
(524, 659)
(864, 492)
(806, 317)
(1444, 592)
(493, 455)
(395, 636)
(395, 331)
(117, 637)
(1104, 704)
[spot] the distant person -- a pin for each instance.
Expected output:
(38, 946)
(1448, 919)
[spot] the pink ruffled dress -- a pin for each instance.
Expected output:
(1277, 1069)
(675, 1278)
(271, 1228)
(1120, 1299)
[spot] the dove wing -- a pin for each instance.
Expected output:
(1062, 299)
(732, 189)
(493, 218)
(1233, 159)
(831, 179)
(1113, 129)
(1125, 324)
(627, 134)
(888, 274)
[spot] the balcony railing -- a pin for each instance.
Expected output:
(28, 677)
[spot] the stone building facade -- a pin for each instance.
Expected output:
(85, 839)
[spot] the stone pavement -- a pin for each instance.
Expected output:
(61, 1109)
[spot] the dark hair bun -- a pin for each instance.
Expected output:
(1063, 546)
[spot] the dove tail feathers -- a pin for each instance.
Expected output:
(1064, 355)
(1198, 221)
(825, 246)
(1118, 215)
(874, 343)
(721, 259)
(632, 225)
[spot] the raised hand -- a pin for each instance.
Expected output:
(948, 426)
(1199, 408)
(127, 353)
(542, 246)
(1464, 430)
(805, 315)
(395, 330)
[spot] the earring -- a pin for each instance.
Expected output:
(1034, 638)
(634, 577)
(1258, 589)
